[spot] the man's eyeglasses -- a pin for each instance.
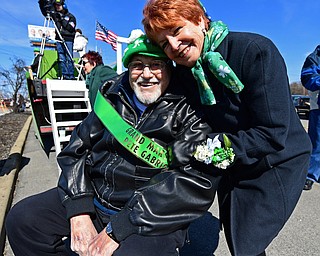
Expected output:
(155, 66)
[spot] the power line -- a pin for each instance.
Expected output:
(8, 13)
(13, 53)
(10, 41)
(20, 24)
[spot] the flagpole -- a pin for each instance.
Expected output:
(119, 57)
(120, 41)
(106, 35)
(96, 39)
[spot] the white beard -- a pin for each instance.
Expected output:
(144, 97)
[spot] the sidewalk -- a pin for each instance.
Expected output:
(300, 236)
(38, 172)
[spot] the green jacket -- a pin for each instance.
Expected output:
(96, 78)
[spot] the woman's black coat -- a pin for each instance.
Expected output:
(259, 192)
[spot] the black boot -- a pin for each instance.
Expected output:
(308, 185)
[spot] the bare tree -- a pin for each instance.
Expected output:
(14, 78)
(297, 88)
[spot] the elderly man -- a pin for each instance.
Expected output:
(118, 194)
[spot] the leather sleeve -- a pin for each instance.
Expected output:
(191, 132)
(74, 185)
(170, 201)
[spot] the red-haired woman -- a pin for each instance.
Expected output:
(96, 73)
(239, 80)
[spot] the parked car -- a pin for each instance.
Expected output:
(302, 104)
(295, 99)
(7, 102)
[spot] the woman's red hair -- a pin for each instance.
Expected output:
(165, 14)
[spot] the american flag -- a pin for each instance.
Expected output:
(104, 34)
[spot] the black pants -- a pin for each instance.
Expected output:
(37, 224)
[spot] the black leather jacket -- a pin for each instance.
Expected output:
(150, 201)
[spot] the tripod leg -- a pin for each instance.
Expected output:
(43, 43)
(68, 46)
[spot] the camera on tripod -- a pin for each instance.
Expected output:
(47, 7)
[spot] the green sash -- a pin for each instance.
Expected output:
(134, 141)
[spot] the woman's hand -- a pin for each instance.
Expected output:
(102, 244)
(82, 233)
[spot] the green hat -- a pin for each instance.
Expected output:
(36, 50)
(142, 46)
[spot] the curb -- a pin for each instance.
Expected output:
(7, 182)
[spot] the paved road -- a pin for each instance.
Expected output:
(300, 236)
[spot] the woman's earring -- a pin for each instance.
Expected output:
(204, 31)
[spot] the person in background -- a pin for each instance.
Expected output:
(113, 197)
(35, 64)
(65, 23)
(21, 103)
(310, 79)
(96, 73)
(80, 44)
(240, 81)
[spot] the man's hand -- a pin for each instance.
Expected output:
(82, 233)
(102, 244)
(56, 16)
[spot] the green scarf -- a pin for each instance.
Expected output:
(217, 65)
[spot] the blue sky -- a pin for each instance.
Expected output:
(293, 25)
